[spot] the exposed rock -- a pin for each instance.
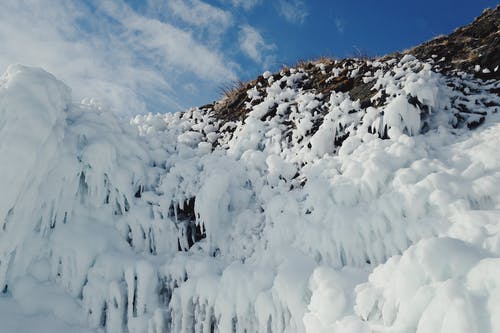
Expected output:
(476, 44)
(474, 49)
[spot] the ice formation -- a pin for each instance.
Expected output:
(312, 213)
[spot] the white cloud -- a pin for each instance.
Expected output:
(111, 52)
(198, 13)
(340, 25)
(169, 46)
(294, 11)
(253, 44)
(190, 88)
(245, 4)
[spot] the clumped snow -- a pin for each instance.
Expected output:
(312, 214)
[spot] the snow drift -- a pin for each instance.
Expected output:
(309, 211)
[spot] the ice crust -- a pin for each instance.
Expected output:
(186, 223)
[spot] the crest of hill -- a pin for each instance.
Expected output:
(476, 44)
(473, 49)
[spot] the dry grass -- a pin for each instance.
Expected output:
(232, 89)
(308, 63)
(360, 53)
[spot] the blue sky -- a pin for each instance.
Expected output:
(166, 55)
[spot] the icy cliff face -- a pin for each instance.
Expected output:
(367, 202)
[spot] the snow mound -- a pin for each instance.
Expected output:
(35, 138)
(437, 285)
(310, 210)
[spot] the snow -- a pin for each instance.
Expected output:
(15, 320)
(311, 215)
(267, 74)
(433, 287)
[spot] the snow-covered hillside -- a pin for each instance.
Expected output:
(347, 196)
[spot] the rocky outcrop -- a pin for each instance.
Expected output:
(474, 48)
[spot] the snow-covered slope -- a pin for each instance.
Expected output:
(336, 196)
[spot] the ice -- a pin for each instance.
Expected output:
(313, 214)
(14, 319)
(267, 74)
(331, 300)
(399, 114)
(433, 287)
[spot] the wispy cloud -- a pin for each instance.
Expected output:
(245, 4)
(168, 46)
(198, 13)
(294, 11)
(107, 50)
(253, 44)
(339, 25)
